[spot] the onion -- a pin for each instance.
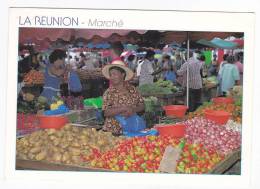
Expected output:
(213, 136)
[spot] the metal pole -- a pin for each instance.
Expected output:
(68, 76)
(187, 82)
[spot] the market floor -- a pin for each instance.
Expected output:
(235, 169)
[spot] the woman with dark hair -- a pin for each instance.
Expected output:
(121, 97)
(53, 75)
(116, 50)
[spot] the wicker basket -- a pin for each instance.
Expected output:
(90, 74)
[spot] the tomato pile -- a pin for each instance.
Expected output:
(235, 110)
(144, 154)
(34, 77)
(196, 159)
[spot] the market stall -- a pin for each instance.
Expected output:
(67, 134)
(207, 145)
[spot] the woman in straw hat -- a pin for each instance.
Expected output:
(121, 97)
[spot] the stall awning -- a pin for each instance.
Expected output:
(218, 43)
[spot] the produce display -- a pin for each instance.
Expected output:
(55, 105)
(212, 136)
(90, 74)
(34, 77)
(28, 97)
(195, 158)
(33, 105)
(151, 103)
(26, 124)
(73, 102)
(235, 110)
(210, 82)
(144, 154)
(233, 126)
(160, 87)
(65, 145)
(236, 93)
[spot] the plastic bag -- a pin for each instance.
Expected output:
(151, 132)
(61, 110)
(94, 102)
(132, 124)
(74, 82)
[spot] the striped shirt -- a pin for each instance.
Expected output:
(146, 71)
(195, 80)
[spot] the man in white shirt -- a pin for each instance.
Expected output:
(146, 71)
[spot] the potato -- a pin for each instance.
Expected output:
(24, 142)
(74, 151)
(41, 156)
(22, 156)
(83, 137)
(101, 142)
(65, 157)
(57, 157)
(67, 127)
(31, 156)
(83, 143)
(25, 150)
(75, 144)
(56, 142)
(55, 149)
(59, 134)
(38, 144)
(70, 138)
(33, 140)
(75, 159)
(64, 145)
(52, 137)
(35, 150)
(68, 162)
(75, 129)
(85, 132)
(51, 131)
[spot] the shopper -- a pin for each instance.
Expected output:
(116, 50)
(212, 71)
(147, 70)
(168, 68)
(229, 75)
(121, 97)
(131, 62)
(178, 60)
(195, 81)
(219, 93)
(53, 75)
(239, 66)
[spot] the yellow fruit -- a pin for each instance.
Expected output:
(54, 106)
(29, 97)
(60, 102)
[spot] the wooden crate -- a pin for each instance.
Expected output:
(47, 166)
(224, 165)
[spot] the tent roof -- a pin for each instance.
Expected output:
(218, 43)
(45, 36)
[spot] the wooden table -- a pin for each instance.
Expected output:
(227, 163)
(45, 166)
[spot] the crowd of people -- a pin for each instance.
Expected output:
(122, 97)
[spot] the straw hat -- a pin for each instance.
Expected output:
(120, 64)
